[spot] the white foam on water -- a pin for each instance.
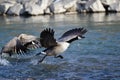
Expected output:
(4, 62)
(34, 62)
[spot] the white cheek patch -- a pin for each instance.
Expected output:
(21, 51)
(79, 37)
(43, 53)
(33, 42)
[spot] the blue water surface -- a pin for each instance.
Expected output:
(96, 57)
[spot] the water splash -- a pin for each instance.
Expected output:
(4, 62)
(34, 62)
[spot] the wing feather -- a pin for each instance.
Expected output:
(47, 38)
(21, 44)
(73, 33)
(29, 41)
(14, 46)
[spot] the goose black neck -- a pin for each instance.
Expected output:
(70, 41)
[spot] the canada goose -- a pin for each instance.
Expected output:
(20, 44)
(55, 47)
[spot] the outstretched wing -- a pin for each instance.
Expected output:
(47, 38)
(14, 46)
(29, 41)
(34, 44)
(21, 44)
(20, 48)
(73, 34)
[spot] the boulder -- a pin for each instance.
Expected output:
(108, 2)
(115, 6)
(38, 7)
(111, 5)
(44, 6)
(32, 9)
(94, 6)
(70, 5)
(17, 9)
(57, 7)
(26, 1)
(47, 11)
(63, 6)
(4, 6)
(81, 6)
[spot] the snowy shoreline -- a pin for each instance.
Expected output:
(51, 7)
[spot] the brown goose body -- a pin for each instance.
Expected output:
(56, 47)
(20, 44)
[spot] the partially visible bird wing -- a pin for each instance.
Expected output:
(34, 44)
(73, 33)
(14, 46)
(47, 38)
(20, 48)
(29, 41)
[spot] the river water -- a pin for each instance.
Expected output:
(96, 57)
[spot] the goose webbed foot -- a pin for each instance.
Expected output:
(59, 56)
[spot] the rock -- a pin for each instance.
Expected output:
(38, 7)
(81, 6)
(114, 6)
(111, 5)
(47, 11)
(4, 6)
(26, 1)
(62, 6)
(44, 6)
(108, 2)
(70, 6)
(94, 6)
(33, 9)
(57, 7)
(17, 9)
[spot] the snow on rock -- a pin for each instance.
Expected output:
(17, 9)
(5, 5)
(94, 6)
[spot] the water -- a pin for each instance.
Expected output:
(96, 57)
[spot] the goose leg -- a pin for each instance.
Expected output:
(42, 59)
(38, 54)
